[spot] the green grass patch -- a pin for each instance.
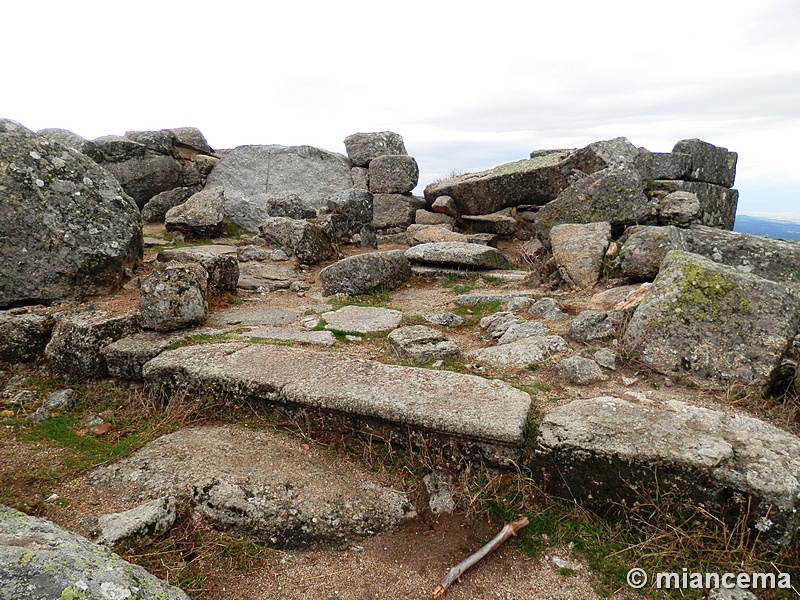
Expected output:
(459, 285)
(379, 299)
(232, 230)
(473, 314)
(414, 320)
(88, 450)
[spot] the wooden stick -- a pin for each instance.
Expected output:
(456, 572)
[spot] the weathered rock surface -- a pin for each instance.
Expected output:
(75, 348)
(141, 171)
(259, 485)
(710, 164)
(518, 331)
(671, 165)
(297, 238)
(253, 276)
(579, 370)
(498, 223)
(535, 181)
(717, 203)
(362, 319)
(604, 451)
(776, 260)
(548, 309)
(426, 234)
(523, 352)
(405, 398)
(595, 325)
(393, 174)
(222, 268)
(425, 217)
(458, 254)
(125, 358)
(61, 400)
(291, 206)
(713, 321)
(445, 319)
(39, 559)
(252, 175)
(679, 208)
(66, 227)
(362, 148)
(772, 259)
(157, 207)
(174, 298)
(151, 519)
(393, 210)
(23, 335)
(419, 343)
(645, 248)
(355, 205)
(579, 251)
(284, 334)
(366, 273)
(252, 317)
(200, 216)
(615, 195)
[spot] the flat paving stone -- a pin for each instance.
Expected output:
(440, 271)
(284, 334)
(210, 249)
(253, 317)
(362, 319)
(453, 404)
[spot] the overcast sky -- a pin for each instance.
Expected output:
(468, 85)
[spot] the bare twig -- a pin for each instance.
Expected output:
(456, 572)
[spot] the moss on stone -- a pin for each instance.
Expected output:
(701, 292)
(72, 593)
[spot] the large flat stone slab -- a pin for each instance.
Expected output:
(458, 254)
(249, 316)
(362, 319)
(284, 334)
(609, 451)
(424, 400)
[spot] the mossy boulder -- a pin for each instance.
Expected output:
(615, 195)
(39, 559)
(712, 321)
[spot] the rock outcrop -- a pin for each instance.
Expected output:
(710, 320)
(252, 176)
(67, 229)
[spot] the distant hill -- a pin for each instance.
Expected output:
(773, 228)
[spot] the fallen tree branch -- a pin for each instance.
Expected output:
(456, 572)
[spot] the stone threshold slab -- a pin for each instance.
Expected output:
(437, 401)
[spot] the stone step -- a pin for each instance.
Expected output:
(480, 417)
(610, 453)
